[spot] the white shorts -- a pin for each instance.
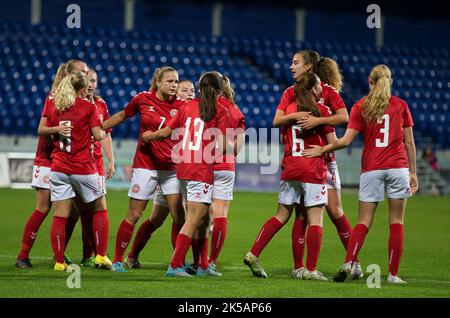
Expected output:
(395, 182)
(292, 191)
(333, 180)
(159, 198)
(223, 185)
(196, 191)
(41, 177)
(144, 182)
(67, 186)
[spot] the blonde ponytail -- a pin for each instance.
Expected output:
(377, 100)
(67, 90)
(60, 74)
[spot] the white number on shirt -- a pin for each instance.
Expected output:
(297, 142)
(64, 141)
(163, 119)
(198, 132)
(384, 131)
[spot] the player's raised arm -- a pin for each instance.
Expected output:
(114, 120)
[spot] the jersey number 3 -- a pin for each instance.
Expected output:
(385, 131)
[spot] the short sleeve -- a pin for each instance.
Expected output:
(133, 107)
(46, 107)
(407, 118)
(335, 100)
(105, 114)
(356, 120)
(223, 120)
(94, 118)
(287, 98)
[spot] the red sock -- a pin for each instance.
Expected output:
(176, 228)
(124, 234)
(395, 247)
(356, 241)
(344, 229)
(87, 234)
(142, 236)
(203, 259)
(298, 242)
(195, 251)
(30, 233)
(58, 237)
(70, 226)
(181, 248)
(313, 242)
(218, 235)
(100, 224)
(269, 229)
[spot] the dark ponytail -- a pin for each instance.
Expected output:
(210, 87)
(304, 98)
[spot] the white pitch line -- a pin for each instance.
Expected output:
(237, 268)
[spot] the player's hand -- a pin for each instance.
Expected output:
(314, 151)
(300, 115)
(309, 122)
(147, 136)
(413, 183)
(64, 130)
(110, 170)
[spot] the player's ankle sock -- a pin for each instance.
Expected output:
(58, 237)
(218, 235)
(142, 236)
(356, 241)
(395, 247)
(30, 232)
(313, 242)
(181, 248)
(269, 229)
(298, 242)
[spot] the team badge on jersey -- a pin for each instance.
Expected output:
(151, 108)
(173, 112)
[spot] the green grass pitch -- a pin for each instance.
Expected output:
(425, 262)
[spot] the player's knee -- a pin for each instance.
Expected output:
(335, 211)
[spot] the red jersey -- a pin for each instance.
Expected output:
(296, 167)
(45, 143)
(72, 155)
(97, 152)
(383, 139)
(197, 149)
(237, 121)
(155, 114)
(330, 98)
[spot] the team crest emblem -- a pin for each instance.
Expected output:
(173, 112)
(151, 108)
(46, 179)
